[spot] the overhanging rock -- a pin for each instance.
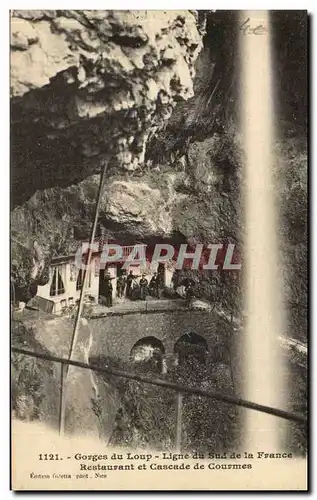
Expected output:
(87, 84)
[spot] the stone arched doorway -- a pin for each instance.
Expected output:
(149, 353)
(190, 346)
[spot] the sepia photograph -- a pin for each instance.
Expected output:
(159, 249)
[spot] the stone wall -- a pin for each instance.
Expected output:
(116, 335)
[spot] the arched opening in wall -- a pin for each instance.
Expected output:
(148, 353)
(190, 346)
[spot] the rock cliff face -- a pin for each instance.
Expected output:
(95, 86)
(87, 85)
(154, 94)
(36, 383)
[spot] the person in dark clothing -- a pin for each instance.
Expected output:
(186, 282)
(176, 279)
(130, 279)
(153, 286)
(135, 289)
(108, 290)
(160, 283)
(121, 282)
(189, 293)
(161, 275)
(143, 287)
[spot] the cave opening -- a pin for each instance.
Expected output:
(148, 353)
(191, 347)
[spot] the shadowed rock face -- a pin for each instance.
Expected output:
(89, 84)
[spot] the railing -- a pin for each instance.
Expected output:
(180, 390)
(126, 251)
(137, 249)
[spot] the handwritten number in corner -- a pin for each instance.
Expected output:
(248, 29)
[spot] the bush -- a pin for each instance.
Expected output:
(147, 414)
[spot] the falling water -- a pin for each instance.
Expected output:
(262, 364)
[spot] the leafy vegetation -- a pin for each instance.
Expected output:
(146, 415)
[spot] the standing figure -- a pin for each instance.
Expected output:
(153, 286)
(143, 287)
(121, 282)
(135, 290)
(108, 290)
(176, 279)
(160, 279)
(189, 293)
(130, 279)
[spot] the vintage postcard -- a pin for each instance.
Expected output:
(159, 250)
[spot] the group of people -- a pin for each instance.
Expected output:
(136, 287)
(129, 286)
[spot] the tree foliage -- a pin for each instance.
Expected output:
(147, 414)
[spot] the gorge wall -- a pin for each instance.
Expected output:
(155, 95)
(87, 85)
(94, 86)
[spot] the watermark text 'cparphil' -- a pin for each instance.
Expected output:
(206, 257)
